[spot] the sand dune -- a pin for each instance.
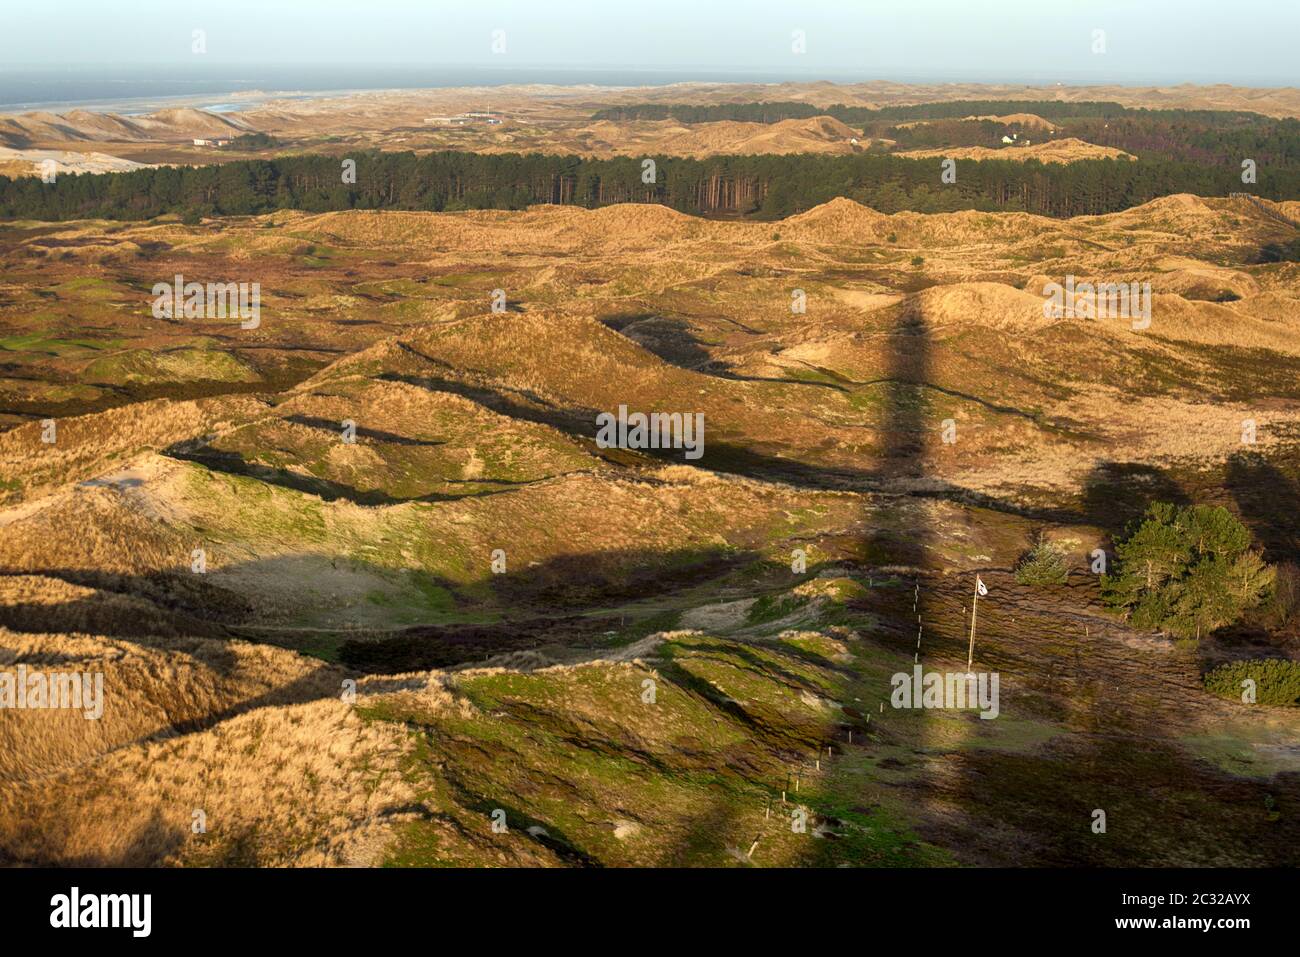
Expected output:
(23, 129)
(475, 433)
(32, 162)
(1068, 149)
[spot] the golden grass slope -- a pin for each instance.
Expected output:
(1068, 149)
(632, 227)
(411, 441)
(574, 276)
(1017, 119)
(152, 684)
(84, 446)
(604, 138)
(258, 739)
(309, 784)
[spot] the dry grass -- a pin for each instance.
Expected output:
(299, 785)
(86, 445)
(625, 305)
(256, 737)
(153, 686)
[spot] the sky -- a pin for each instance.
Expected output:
(1031, 40)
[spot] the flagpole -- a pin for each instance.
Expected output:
(970, 655)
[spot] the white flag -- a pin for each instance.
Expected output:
(979, 587)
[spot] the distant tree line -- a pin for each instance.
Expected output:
(1221, 138)
(956, 109)
(956, 133)
(759, 186)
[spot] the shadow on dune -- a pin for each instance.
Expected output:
(539, 603)
(148, 846)
(1117, 494)
(235, 463)
(192, 604)
(671, 339)
(1269, 502)
(390, 438)
(521, 405)
(987, 805)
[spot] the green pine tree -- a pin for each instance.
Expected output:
(1187, 571)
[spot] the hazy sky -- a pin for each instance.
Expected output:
(1163, 40)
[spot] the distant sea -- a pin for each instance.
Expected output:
(234, 87)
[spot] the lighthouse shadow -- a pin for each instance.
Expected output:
(898, 540)
(924, 618)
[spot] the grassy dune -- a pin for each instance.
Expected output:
(500, 589)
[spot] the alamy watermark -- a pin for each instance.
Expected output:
(946, 690)
(129, 911)
(657, 430)
(30, 690)
(1103, 300)
(215, 300)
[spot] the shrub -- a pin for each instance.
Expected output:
(1043, 564)
(254, 141)
(1187, 571)
(1277, 680)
